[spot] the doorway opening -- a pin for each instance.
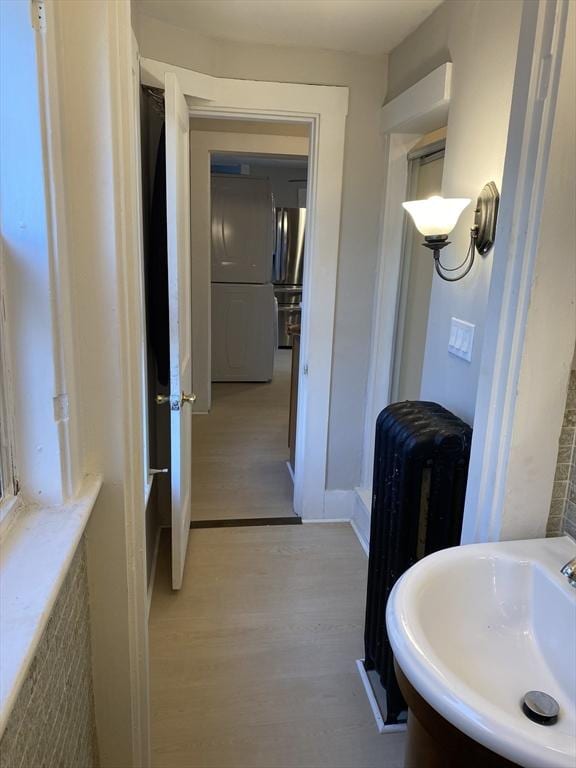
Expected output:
(189, 96)
(243, 451)
(425, 167)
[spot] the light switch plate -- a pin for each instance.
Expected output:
(461, 339)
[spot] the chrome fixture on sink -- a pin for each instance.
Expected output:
(569, 570)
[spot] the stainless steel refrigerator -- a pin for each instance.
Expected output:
(243, 306)
(288, 269)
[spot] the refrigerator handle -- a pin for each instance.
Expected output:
(276, 324)
(285, 254)
(273, 237)
(277, 245)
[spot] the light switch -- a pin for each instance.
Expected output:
(461, 339)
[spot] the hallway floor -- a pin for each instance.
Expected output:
(253, 662)
(240, 450)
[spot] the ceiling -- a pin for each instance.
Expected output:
(371, 27)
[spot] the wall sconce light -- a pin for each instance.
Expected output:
(436, 217)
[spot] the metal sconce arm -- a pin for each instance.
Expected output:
(482, 235)
(436, 247)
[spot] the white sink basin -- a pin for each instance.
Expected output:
(476, 627)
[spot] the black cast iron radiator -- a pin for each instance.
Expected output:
(420, 469)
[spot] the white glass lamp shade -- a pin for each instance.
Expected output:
(436, 215)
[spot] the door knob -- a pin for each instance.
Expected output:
(188, 398)
(161, 399)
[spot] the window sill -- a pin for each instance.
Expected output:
(36, 554)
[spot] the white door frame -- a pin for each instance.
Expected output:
(405, 119)
(324, 109)
(488, 514)
(202, 144)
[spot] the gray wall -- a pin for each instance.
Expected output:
(52, 724)
(480, 38)
(422, 51)
(363, 176)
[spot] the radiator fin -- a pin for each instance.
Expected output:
(421, 461)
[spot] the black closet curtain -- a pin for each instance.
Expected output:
(158, 325)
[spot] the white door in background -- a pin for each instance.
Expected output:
(417, 275)
(180, 318)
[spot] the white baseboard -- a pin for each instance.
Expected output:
(360, 519)
(153, 570)
(363, 543)
(380, 724)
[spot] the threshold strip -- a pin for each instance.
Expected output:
(246, 521)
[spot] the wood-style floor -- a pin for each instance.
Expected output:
(240, 449)
(253, 662)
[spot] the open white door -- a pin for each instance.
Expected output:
(180, 316)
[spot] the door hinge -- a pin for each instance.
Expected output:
(38, 14)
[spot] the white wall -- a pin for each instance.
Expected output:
(363, 173)
(202, 143)
(480, 37)
(93, 93)
(551, 327)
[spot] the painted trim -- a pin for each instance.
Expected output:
(382, 727)
(421, 108)
(324, 108)
(542, 33)
(8, 473)
(126, 225)
(361, 518)
(415, 112)
(362, 541)
(153, 569)
(387, 292)
(121, 182)
(64, 384)
(246, 95)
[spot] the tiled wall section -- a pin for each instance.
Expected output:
(52, 724)
(563, 509)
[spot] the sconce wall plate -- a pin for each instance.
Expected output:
(485, 217)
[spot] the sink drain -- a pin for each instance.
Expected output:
(540, 707)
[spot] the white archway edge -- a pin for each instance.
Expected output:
(421, 108)
(490, 513)
(324, 109)
(250, 94)
(415, 112)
